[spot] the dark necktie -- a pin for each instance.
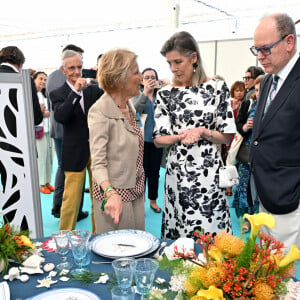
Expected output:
(272, 92)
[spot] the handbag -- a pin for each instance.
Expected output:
(243, 154)
(39, 132)
(234, 149)
(228, 176)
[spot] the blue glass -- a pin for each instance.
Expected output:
(266, 50)
(62, 246)
(144, 270)
(79, 243)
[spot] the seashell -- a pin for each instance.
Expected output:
(64, 272)
(5, 277)
(33, 261)
(102, 279)
(31, 270)
(13, 273)
(64, 278)
(24, 277)
(49, 267)
(52, 274)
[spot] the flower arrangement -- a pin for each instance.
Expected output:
(14, 246)
(231, 268)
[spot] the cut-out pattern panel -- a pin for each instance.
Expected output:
(19, 190)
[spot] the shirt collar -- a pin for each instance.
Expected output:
(72, 88)
(283, 73)
(11, 66)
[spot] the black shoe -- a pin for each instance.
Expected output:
(87, 190)
(82, 215)
(56, 214)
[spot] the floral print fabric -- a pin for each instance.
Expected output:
(193, 199)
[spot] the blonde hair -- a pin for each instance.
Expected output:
(114, 68)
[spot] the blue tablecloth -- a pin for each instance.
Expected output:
(21, 291)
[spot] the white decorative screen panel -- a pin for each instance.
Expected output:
(19, 184)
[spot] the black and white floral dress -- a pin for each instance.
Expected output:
(193, 199)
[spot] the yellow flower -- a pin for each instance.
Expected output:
(262, 290)
(258, 220)
(228, 244)
(212, 293)
(293, 255)
(215, 254)
(26, 241)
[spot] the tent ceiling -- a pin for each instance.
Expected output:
(31, 19)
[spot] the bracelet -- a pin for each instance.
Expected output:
(103, 204)
(108, 189)
(112, 192)
(210, 135)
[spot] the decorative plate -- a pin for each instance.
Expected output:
(66, 294)
(124, 243)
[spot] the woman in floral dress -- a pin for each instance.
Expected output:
(193, 116)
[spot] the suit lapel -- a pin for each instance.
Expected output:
(283, 94)
(263, 96)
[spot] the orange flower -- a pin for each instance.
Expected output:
(229, 244)
(262, 290)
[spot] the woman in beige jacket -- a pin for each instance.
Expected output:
(116, 144)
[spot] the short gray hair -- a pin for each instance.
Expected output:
(67, 54)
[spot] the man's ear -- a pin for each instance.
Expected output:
(62, 69)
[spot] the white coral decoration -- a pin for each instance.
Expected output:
(176, 282)
(103, 278)
(13, 273)
(157, 293)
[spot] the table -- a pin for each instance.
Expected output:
(22, 291)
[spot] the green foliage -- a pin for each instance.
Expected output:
(10, 246)
(245, 257)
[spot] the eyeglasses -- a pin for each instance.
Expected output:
(266, 50)
(149, 77)
(247, 78)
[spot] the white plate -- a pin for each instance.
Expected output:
(65, 294)
(108, 244)
(4, 291)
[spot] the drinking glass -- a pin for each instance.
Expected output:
(62, 245)
(124, 272)
(79, 241)
(118, 293)
(144, 270)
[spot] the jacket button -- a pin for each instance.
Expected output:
(255, 143)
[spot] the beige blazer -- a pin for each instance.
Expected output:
(114, 144)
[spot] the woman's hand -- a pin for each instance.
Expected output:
(248, 125)
(191, 136)
(113, 207)
(149, 86)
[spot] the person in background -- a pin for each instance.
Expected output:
(193, 116)
(71, 104)
(275, 144)
(43, 139)
(55, 80)
(237, 93)
(244, 124)
(116, 143)
(12, 60)
(144, 104)
(251, 73)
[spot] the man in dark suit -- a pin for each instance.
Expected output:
(12, 60)
(275, 145)
(71, 103)
(55, 80)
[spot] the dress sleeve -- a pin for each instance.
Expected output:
(225, 117)
(162, 121)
